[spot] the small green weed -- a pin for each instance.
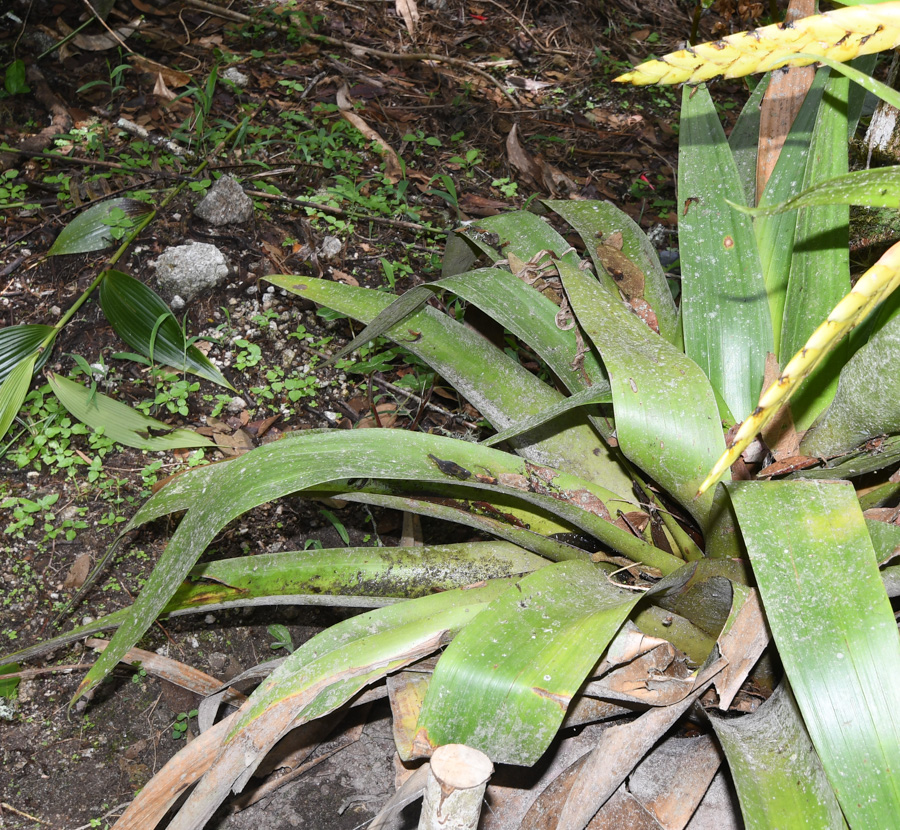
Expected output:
(181, 724)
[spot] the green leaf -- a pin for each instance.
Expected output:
(820, 266)
(505, 682)
(323, 674)
(285, 467)
(727, 327)
(498, 386)
(867, 402)
(775, 234)
(10, 685)
(17, 342)
(134, 310)
(777, 774)
(872, 188)
(91, 230)
(836, 635)
(14, 389)
(14, 79)
(586, 397)
(361, 577)
(596, 221)
(119, 421)
(744, 140)
(667, 421)
(864, 79)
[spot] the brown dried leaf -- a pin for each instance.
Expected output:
(781, 103)
(408, 10)
(392, 167)
(779, 434)
(742, 647)
(78, 573)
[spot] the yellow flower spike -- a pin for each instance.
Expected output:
(841, 35)
(873, 286)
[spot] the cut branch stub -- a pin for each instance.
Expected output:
(455, 788)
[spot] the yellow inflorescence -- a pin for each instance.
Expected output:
(873, 286)
(841, 35)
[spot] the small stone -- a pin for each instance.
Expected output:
(236, 404)
(187, 270)
(236, 77)
(217, 662)
(177, 303)
(55, 310)
(252, 289)
(226, 204)
(331, 246)
(209, 619)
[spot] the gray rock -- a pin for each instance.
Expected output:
(187, 270)
(331, 246)
(236, 77)
(225, 204)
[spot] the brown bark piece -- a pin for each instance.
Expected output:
(781, 103)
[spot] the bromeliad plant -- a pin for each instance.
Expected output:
(603, 471)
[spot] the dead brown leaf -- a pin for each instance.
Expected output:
(408, 10)
(392, 167)
(78, 573)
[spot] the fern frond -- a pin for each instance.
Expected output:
(840, 35)
(873, 286)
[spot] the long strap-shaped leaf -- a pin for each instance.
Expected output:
(286, 467)
(872, 287)
(473, 365)
(840, 35)
(654, 386)
(324, 673)
(778, 776)
(346, 577)
(505, 682)
(836, 635)
(724, 309)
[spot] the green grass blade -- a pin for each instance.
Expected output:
(95, 228)
(18, 342)
(495, 384)
(654, 388)
(778, 776)
(727, 325)
(867, 403)
(505, 682)
(134, 310)
(836, 635)
(820, 266)
(119, 421)
(601, 220)
(286, 467)
(14, 389)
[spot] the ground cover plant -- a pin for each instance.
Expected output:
(603, 499)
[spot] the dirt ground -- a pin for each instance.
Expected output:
(584, 138)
